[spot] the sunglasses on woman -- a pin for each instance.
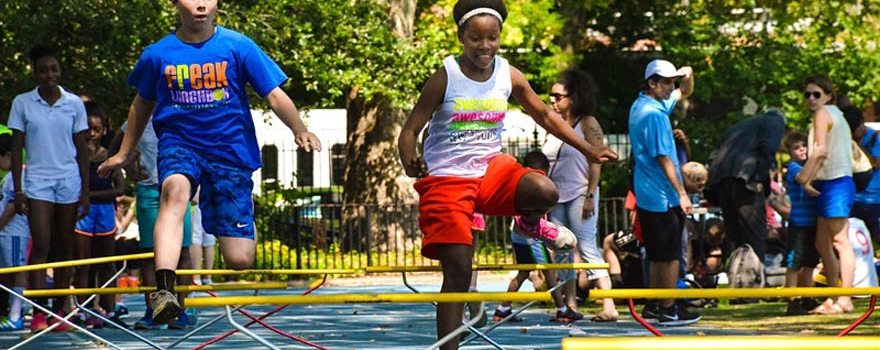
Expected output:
(555, 97)
(813, 94)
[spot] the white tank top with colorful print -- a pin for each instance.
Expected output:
(465, 130)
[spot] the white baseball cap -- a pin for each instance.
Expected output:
(662, 68)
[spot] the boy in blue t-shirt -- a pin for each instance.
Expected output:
(802, 256)
(196, 79)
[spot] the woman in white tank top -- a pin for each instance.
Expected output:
(830, 165)
(577, 181)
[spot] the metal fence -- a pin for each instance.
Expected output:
(317, 232)
(316, 236)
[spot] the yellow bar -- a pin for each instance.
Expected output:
(368, 298)
(269, 272)
(490, 267)
(72, 263)
(723, 342)
(37, 293)
(529, 267)
(530, 296)
(729, 293)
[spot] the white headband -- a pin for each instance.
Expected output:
(480, 11)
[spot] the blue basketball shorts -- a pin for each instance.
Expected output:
(225, 200)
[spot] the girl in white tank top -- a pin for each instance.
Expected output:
(466, 102)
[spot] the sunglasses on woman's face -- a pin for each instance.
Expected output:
(555, 97)
(813, 94)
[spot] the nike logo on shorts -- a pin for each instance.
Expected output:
(242, 225)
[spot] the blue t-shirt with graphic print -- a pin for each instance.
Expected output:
(201, 97)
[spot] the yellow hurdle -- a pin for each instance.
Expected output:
(45, 293)
(722, 342)
(269, 272)
(527, 296)
(73, 263)
(491, 267)
(368, 298)
(729, 293)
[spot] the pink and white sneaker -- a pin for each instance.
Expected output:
(554, 237)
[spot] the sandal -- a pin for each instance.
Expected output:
(826, 309)
(844, 309)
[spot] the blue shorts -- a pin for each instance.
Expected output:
(226, 201)
(836, 198)
(14, 250)
(101, 221)
(148, 211)
(63, 190)
(531, 253)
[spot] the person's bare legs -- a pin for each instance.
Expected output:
(805, 277)
(515, 283)
(105, 246)
(609, 311)
(238, 253)
(831, 266)
(41, 219)
(148, 279)
(455, 260)
(664, 275)
(81, 273)
(62, 248)
(610, 255)
(195, 254)
(168, 232)
(839, 229)
(208, 256)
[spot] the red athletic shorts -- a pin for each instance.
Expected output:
(447, 203)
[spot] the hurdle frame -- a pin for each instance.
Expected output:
(66, 319)
(260, 320)
(529, 296)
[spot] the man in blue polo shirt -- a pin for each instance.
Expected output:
(662, 201)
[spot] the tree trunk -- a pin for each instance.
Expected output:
(379, 210)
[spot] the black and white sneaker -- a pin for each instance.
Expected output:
(651, 312)
(677, 316)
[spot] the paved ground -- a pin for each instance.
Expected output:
(362, 326)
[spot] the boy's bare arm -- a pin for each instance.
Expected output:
(284, 108)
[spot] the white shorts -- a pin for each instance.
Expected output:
(204, 239)
(199, 236)
(63, 190)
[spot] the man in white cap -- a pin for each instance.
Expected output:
(661, 199)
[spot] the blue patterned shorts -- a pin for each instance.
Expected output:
(225, 201)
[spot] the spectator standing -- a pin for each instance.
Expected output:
(830, 164)
(51, 123)
(662, 199)
(577, 181)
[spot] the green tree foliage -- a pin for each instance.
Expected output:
(98, 42)
(741, 51)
